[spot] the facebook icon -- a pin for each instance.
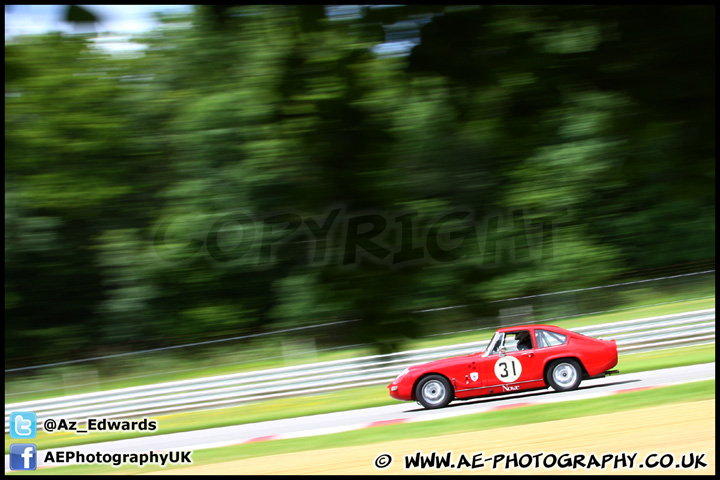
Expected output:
(23, 456)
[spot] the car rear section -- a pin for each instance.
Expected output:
(597, 356)
(584, 358)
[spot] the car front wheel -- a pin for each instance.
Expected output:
(564, 375)
(434, 391)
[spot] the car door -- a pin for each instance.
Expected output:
(514, 369)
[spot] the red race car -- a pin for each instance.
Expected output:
(517, 358)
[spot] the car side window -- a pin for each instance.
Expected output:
(512, 342)
(523, 341)
(550, 339)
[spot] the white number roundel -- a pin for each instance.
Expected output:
(508, 369)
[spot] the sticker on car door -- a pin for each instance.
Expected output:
(508, 369)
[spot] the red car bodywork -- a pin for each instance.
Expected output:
(494, 372)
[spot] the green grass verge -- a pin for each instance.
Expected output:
(361, 397)
(689, 392)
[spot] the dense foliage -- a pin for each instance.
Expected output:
(258, 168)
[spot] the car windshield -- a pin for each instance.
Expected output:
(494, 344)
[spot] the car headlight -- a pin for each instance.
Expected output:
(403, 373)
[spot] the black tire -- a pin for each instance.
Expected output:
(434, 391)
(564, 375)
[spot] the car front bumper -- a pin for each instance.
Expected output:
(400, 390)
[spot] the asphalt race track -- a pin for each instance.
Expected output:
(401, 412)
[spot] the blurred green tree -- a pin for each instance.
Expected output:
(231, 178)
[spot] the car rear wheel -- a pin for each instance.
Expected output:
(434, 391)
(564, 375)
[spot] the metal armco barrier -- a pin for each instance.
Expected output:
(653, 333)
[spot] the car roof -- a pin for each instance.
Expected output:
(515, 328)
